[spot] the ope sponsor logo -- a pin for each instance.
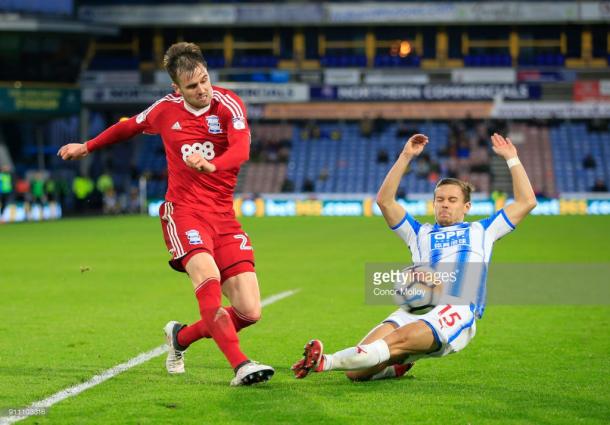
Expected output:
(450, 238)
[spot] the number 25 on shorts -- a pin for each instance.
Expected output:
(447, 318)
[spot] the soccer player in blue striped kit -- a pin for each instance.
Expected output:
(390, 349)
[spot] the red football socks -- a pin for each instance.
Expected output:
(215, 321)
(198, 330)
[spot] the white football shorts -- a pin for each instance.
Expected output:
(453, 327)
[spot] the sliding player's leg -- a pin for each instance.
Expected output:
(393, 368)
(445, 330)
(300, 368)
(414, 338)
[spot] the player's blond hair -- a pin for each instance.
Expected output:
(466, 187)
(183, 58)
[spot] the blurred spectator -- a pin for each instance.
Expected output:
(311, 131)
(37, 191)
(111, 203)
(22, 190)
(597, 125)
(422, 166)
(599, 186)
(588, 162)
(401, 130)
(6, 187)
(287, 186)
(104, 182)
(463, 150)
(50, 189)
(133, 204)
(479, 160)
(284, 150)
(336, 134)
(366, 127)
(382, 156)
(323, 176)
(469, 121)
(82, 188)
(378, 125)
(308, 185)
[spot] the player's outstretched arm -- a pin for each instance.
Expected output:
(120, 131)
(525, 199)
(386, 197)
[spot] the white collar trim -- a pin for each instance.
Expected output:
(196, 112)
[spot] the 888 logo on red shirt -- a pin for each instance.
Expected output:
(204, 150)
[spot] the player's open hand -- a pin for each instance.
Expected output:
(415, 145)
(200, 164)
(503, 146)
(72, 151)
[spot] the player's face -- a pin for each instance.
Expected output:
(449, 205)
(195, 87)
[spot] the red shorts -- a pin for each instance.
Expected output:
(187, 231)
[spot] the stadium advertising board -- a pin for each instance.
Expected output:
(502, 75)
(389, 77)
(536, 76)
(265, 93)
(249, 92)
(14, 213)
(389, 110)
(278, 14)
(274, 206)
(595, 10)
(123, 95)
(166, 14)
(427, 92)
(341, 76)
(112, 77)
(39, 100)
(587, 91)
(55, 7)
(264, 14)
(547, 110)
(453, 12)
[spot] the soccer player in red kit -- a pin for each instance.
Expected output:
(206, 139)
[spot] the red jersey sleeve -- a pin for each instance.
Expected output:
(123, 130)
(233, 118)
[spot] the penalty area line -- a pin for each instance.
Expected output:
(44, 404)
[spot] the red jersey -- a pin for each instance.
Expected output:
(218, 132)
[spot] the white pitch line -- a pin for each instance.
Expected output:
(112, 372)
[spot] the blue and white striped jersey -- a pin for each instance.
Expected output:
(458, 244)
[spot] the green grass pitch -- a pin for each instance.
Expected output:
(537, 364)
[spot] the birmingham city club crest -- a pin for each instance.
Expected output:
(213, 124)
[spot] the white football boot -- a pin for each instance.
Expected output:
(175, 355)
(252, 373)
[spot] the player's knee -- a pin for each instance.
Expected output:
(251, 313)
